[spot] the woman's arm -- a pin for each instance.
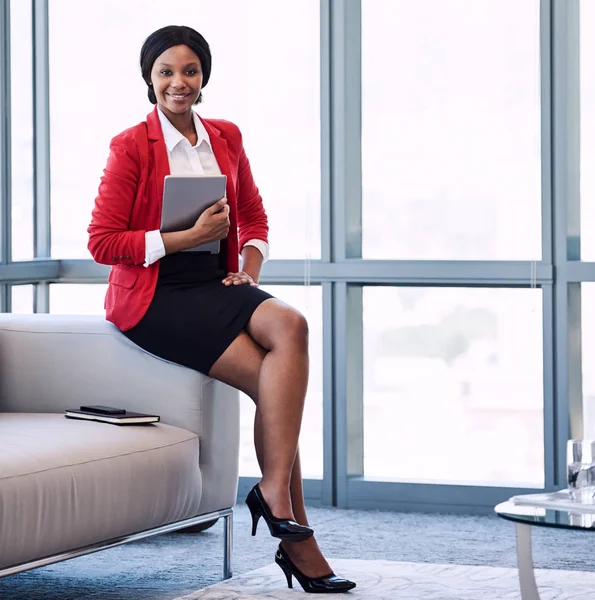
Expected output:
(176, 241)
(252, 262)
(110, 239)
(252, 222)
(252, 218)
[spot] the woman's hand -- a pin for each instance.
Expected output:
(213, 224)
(240, 278)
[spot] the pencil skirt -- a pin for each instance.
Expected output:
(193, 317)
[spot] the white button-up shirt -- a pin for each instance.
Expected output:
(187, 159)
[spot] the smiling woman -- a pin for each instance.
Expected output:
(175, 89)
(201, 309)
(175, 74)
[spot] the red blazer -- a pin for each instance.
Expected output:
(129, 204)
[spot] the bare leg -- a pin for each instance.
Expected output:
(306, 555)
(281, 390)
(241, 366)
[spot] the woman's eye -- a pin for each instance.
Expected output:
(166, 72)
(191, 72)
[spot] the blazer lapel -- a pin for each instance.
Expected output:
(159, 151)
(221, 152)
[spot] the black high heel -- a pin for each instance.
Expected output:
(330, 584)
(283, 529)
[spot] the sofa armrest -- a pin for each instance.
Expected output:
(49, 363)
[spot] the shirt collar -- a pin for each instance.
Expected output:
(173, 137)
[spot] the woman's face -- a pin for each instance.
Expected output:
(177, 78)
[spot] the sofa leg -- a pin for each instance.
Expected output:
(227, 545)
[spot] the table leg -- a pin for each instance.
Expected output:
(525, 562)
(227, 545)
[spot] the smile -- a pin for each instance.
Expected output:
(178, 96)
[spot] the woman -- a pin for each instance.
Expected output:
(200, 310)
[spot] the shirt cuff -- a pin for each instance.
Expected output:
(154, 248)
(260, 245)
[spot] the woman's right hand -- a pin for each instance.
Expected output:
(213, 223)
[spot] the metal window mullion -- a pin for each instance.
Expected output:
(348, 386)
(545, 53)
(5, 135)
(430, 496)
(328, 420)
(345, 110)
(41, 144)
(575, 375)
(344, 70)
(549, 380)
(374, 272)
(566, 219)
(547, 250)
(329, 484)
(41, 297)
(576, 272)
(354, 379)
(5, 151)
(326, 236)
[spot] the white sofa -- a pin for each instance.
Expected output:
(70, 487)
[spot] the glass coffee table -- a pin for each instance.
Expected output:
(526, 517)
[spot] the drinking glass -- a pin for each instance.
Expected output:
(581, 470)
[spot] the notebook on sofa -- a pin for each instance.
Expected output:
(110, 414)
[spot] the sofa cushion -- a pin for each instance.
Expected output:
(65, 483)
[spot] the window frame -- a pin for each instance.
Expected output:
(342, 272)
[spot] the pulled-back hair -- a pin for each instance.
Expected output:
(167, 37)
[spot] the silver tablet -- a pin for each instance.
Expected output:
(185, 197)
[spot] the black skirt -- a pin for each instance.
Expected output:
(193, 317)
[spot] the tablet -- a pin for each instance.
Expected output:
(185, 197)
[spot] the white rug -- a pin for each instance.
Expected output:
(385, 580)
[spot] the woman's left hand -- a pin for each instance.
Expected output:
(239, 279)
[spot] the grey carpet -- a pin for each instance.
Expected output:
(173, 565)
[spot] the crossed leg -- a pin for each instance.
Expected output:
(269, 363)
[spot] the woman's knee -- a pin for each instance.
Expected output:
(294, 327)
(276, 324)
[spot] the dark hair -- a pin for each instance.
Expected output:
(167, 37)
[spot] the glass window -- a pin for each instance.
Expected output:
(21, 65)
(587, 120)
(77, 298)
(451, 150)
(22, 299)
(453, 385)
(308, 300)
(265, 78)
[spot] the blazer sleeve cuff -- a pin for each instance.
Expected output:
(260, 245)
(154, 248)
